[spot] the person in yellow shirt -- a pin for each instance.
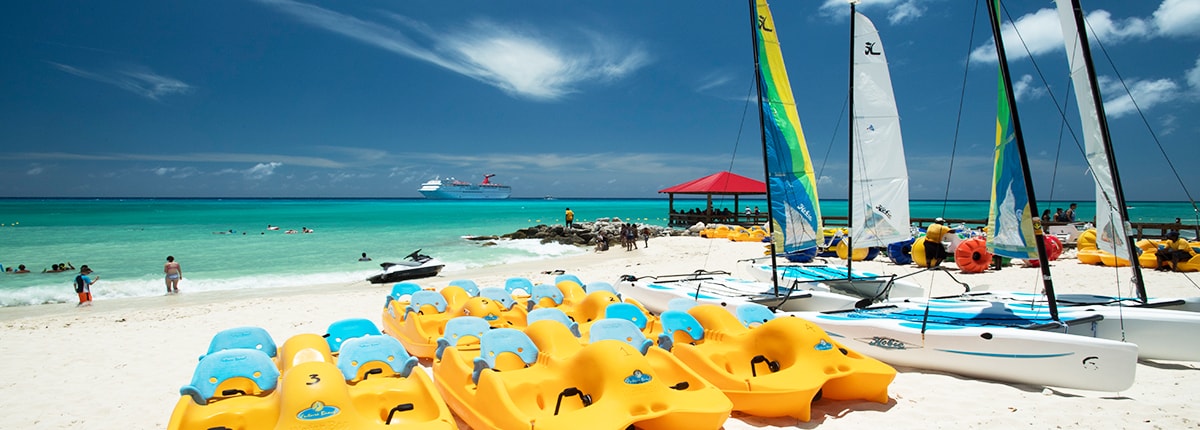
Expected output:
(1175, 250)
(570, 217)
(935, 251)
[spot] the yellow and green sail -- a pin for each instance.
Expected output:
(1010, 230)
(790, 180)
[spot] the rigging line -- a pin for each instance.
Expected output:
(736, 142)
(833, 137)
(962, 97)
(1195, 210)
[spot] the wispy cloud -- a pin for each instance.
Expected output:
(137, 80)
(1024, 89)
(175, 172)
(261, 170)
(195, 157)
(520, 62)
(1141, 94)
(713, 80)
(899, 11)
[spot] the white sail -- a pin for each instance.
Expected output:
(879, 210)
(1110, 228)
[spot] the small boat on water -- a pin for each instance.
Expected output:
(415, 266)
(453, 189)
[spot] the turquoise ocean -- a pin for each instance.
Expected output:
(224, 244)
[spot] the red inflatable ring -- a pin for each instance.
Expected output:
(1054, 249)
(972, 256)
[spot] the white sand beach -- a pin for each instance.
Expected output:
(119, 364)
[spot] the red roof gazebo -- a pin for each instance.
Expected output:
(720, 183)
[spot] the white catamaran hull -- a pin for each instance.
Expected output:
(996, 353)
(1159, 334)
(830, 277)
(1187, 304)
(656, 295)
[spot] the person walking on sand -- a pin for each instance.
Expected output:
(174, 273)
(570, 217)
(646, 237)
(83, 285)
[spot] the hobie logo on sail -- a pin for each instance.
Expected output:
(871, 49)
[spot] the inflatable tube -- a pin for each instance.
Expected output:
(918, 251)
(900, 252)
(1053, 250)
(972, 256)
(860, 254)
(1054, 247)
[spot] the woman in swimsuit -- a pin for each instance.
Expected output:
(174, 273)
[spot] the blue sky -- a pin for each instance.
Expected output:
(279, 98)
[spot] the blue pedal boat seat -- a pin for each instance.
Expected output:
(374, 352)
(460, 328)
(754, 314)
(467, 285)
(499, 295)
(222, 366)
(553, 314)
(678, 321)
(343, 330)
(622, 330)
(503, 341)
(248, 337)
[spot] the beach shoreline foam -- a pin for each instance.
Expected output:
(120, 363)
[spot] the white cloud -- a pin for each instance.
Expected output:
(1024, 89)
(1147, 93)
(899, 11)
(261, 170)
(1193, 76)
(174, 172)
(521, 63)
(35, 170)
(713, 80)
(1178, 18)
(138, 80)
(1039, 33)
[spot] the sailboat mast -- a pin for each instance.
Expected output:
(1086, 51)
(850, 158)
(1048, 284)
(755, 21)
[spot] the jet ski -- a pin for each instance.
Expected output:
(414, 266)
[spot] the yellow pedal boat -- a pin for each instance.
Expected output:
(370, 384)
(508, 384)
(778, 367)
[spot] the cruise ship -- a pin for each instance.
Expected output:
(452, 189)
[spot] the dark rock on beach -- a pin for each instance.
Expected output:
(584, 233)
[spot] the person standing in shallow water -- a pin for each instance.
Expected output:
(83, 285)
(174, 273)
(570, 217)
